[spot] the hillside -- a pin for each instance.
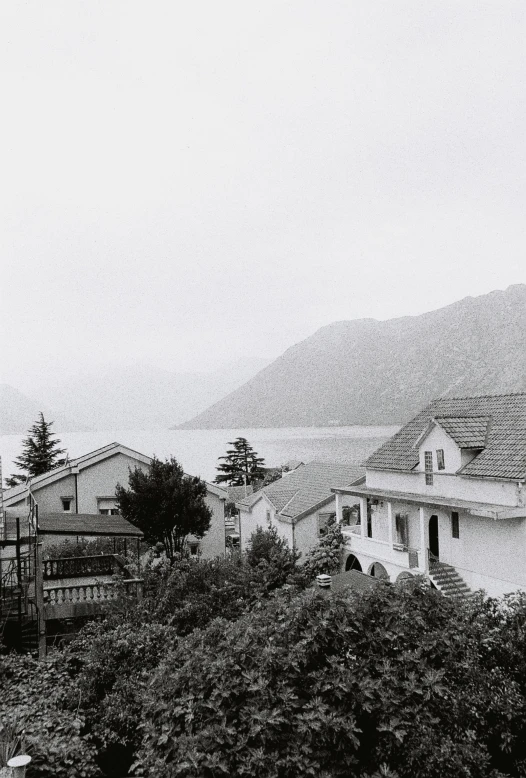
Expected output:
(382, 372)
(144, 396)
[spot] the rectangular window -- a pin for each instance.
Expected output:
(369, 519)
(66, 504)
(322, 523)
(455, 528)
(194, 549)
(428, 464)
(402, 529)
(441, 465)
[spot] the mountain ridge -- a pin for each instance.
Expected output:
(369, 371)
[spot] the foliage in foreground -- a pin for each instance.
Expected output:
(38, 699)
(398, 682)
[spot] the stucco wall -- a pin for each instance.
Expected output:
(436, 439)
(48, 497)
(257, 517)
(474, 489)
(101, 479)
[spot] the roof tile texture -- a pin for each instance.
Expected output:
(504, 454)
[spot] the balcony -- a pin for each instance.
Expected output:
(63, 602)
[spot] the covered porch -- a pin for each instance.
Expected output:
(402, 531)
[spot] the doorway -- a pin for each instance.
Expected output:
(433, 536)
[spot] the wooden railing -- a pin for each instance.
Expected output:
(95, 593)
(80, 566)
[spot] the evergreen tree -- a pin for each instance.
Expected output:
(165, 504)
(241, 465)
(40, 453)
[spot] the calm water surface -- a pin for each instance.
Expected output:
(198, 450)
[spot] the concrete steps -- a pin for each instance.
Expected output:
(448, 581)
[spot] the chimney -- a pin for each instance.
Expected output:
(324, 581)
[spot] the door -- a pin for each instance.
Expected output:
(433, 536)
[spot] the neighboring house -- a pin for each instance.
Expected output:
(298, 505)
(446, 497)
(86, 485)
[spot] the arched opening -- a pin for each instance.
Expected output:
(352, 563)
(404, 577)
(433, 536)
(378, 571)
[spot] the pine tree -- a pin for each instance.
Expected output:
(241, 465)
(40, 453)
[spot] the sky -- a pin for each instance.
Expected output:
(185, 184)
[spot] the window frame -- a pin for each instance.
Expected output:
(455, 525)
(428, 467)
(69, 501)
(441, 460)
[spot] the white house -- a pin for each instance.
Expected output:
(86, 485)
(445, 497)
(298, 504)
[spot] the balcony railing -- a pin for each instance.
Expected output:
(93, 593)
(82, 566)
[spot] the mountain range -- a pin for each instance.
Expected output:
(140, 397)
(382, 372)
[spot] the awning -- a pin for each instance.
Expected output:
(86, 524)
(482, 509)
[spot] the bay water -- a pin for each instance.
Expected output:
(198, 450)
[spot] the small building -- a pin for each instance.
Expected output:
(86, 486)
(299, 504)
(445, 497)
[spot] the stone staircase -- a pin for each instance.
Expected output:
(447, 580)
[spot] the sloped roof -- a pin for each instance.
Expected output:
(466, 431)
(504, 454)
(305, 488)
(238, 493)
(86, 524)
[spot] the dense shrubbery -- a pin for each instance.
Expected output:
(325, 557)
(220, 671)
(400, 680)
(40, 699)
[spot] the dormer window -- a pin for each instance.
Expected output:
(441, 465)
(428, 466)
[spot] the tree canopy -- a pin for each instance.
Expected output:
(166, 504)
(241, 465)
(40, 453)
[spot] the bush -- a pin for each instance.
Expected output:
(272, 556)
(111, 666)
(396, 682)
(326, 557)
(38, 698)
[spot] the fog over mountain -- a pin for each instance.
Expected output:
(134, 397)
(18, 412)
(382, 372)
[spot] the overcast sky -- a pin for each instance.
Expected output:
(187, 183)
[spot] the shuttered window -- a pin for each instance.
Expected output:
(428, 464)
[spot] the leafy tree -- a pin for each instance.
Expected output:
(241, 465)
(272, 556)
(165, 504)
(40, 453)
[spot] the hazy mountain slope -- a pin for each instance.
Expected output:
(18, 412)
(382, 372)
(144, 396)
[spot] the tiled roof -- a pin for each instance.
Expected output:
(306, 487)
(466, 431)
(86, 524)
(353, 579)
(504, 454)
(238, 493)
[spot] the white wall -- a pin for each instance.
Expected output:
(445, 485)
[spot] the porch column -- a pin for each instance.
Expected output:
(339, 515)
(363, 517)
(390, 527)
(423, 558)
